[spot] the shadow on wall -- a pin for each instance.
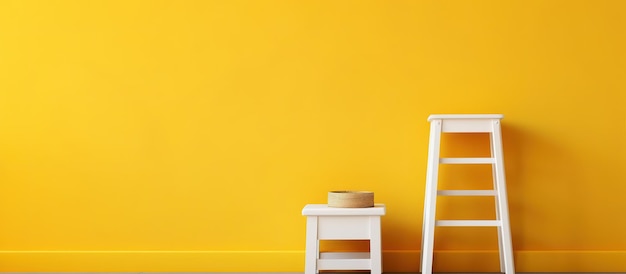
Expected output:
(544, 191)
(544, 196)
(537, 194)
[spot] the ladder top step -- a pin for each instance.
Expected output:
(464, 116)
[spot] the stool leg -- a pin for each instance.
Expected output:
(375, 246)
(497, 200)
(503, 206)
(430, 199)
(312, 246)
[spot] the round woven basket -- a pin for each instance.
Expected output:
(350, 199)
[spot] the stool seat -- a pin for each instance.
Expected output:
(331, 223)
(325, 210)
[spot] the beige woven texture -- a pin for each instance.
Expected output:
(350, 199)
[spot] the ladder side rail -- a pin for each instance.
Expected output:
(497, 201)
(430, 199)
(502, 201)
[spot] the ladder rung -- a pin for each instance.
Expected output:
(466, 193)
(480, 160)
(468, 223)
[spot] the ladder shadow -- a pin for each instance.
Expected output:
(532, 215)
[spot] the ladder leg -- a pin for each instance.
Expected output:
(497, 202)
(502, 201)
(430, 199)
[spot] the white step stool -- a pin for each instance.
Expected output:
(331, 223)
(466, 123)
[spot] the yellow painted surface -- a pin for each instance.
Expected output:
(190, 134)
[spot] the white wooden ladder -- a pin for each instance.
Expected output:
(466, 123)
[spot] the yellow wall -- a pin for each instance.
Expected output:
(188, 135)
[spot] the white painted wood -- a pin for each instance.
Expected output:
(466, 193)
(344, 228)
(312, 246)
(344, 261)
(502, 205)
(344, 255)
(348, 264)
(375, 246)
(468, 223)
(328, 223)
(465, 125)
(430, 198)
(497, 209)
(453, 123)
(464, 116)
(470, 160)
(324, 210)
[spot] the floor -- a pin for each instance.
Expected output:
(354, 272)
